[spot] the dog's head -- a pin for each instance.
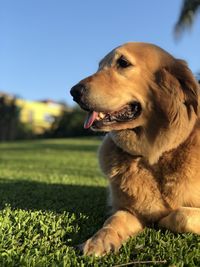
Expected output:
(136, 84)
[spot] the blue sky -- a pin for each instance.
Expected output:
(49, 45)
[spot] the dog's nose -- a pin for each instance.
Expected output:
(77, 91)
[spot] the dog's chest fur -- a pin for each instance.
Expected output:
(151, 191)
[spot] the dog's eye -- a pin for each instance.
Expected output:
(122, 62)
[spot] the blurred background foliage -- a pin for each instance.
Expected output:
(69, 124)
(11, 128)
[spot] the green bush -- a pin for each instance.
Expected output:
(69, 124)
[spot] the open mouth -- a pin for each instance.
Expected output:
(97, 120)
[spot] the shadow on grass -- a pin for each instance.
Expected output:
(87, 200)
(54, 197)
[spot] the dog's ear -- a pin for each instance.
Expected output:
(177, 76)
(188, 83)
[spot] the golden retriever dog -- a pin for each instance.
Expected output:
(147, 102)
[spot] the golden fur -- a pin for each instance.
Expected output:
(152, 162)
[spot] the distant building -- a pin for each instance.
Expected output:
(38, 114)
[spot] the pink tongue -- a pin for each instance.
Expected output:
(90, 119)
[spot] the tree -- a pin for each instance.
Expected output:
(187, 15)
(11, 127)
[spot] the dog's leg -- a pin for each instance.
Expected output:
(116, 230)
(184, 219)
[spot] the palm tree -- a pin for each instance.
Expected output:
(188, 12)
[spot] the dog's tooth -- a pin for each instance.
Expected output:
(101, 115)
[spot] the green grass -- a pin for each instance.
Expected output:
(53, 197)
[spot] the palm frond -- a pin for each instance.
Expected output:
(186, 18)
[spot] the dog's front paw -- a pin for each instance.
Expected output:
(104, 241)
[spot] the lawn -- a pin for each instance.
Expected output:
(53, 197)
